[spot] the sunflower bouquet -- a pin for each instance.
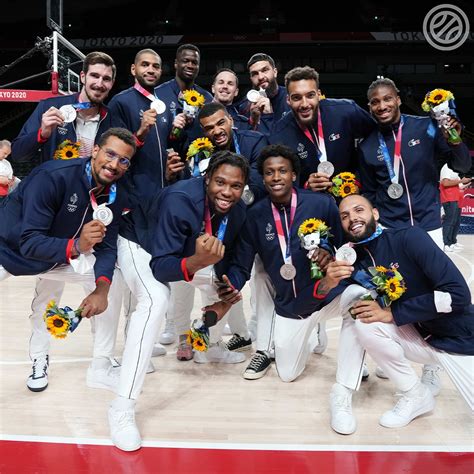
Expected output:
(60, 321)
(388, 282)
(198, 336)
(313, 233)
(192, 101)
(344, 184)
(67, 150)
(198, 155)
(440, 104)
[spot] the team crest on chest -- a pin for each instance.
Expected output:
(414, 142)
(302, 153)
(269, 235)
(72, 206)
(334, 136)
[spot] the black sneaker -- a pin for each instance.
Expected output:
(259, 364)
(38, 380)
(238, 343)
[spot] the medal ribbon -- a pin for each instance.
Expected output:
(83, 105)
(144, 92)
(378, 231)
(208, 225)
(285, 244)
(319, 140)
(393, 171)
(112, 190)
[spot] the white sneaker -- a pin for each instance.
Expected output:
(408, 408)
(123, 429)
(218, 353)
(380, 373)
(448, 248)
(38, 380)
(322, 344)
(151, 368)
(158, 350)
(342, 419)
(430, 378)
(168, 336)
(457, 246)
(106, 378)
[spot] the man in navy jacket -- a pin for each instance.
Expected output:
(279, 166)
(432, 322)
(422, 144)
(48, 226)
(319, 130)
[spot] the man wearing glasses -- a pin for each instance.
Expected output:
(50, 225)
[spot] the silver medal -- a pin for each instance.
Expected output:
(395, 191)
(248, 196)
(158, 105)
(103, 214)
(288, 271)
(326, 167)
(346, 254)
(253, 95)
(69, 113)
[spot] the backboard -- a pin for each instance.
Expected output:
(54, 15)
(67, 63)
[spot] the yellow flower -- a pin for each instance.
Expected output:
(311, 225)
(189, 339)
(193, 98)
(436, 97)
(347, 189)
(199, 345)
(57, 326)
(50, 305)
(200, 144)
(393, 288)
(346, 176)
(381, 268)
(67, 150)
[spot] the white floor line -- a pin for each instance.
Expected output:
(246, 446)
(469, 264)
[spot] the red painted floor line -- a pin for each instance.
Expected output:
(18, 457)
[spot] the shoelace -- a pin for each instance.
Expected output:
(342, 403)
(257, 361)
(430, 376)
(125, 419)
(169, 326)
(42, 364)
(235, 339)
(403, 406)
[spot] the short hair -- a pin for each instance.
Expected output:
(367, 200)
(99, 57)
(145, 51)
(210, 109)
(190, 46)
(273, 151)
(260, 57)
(5, 143)
(225, 69)
(226, 157)
(122, 134)
(302, 73)
(381, 82)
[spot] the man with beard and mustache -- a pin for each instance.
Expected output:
(44, 131)
(87, 119)
(59, 213)
(431, 322)
(265, 110)
(413, 172)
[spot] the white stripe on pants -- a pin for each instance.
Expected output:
(152, 299)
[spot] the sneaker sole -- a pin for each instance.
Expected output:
(184, 359)
(241, 349)
(37, 389)
(255, 376)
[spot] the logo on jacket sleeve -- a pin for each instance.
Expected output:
(269, 235)
(334, 136)
(72, 206)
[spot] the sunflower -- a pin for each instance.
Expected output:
(394, 288)
(381, 268)
(193, 98)
(347, 189)
(346, 176)
(311, 225)
(198, 145)
(57, 326)
(189, 339)
(438, 96)
(67, 150)
(199, 345)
